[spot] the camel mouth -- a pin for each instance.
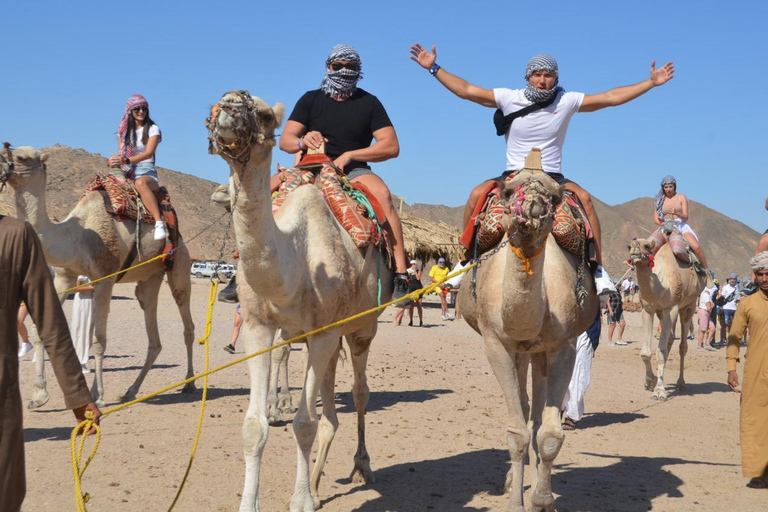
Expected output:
(233, 125)
(531, 203)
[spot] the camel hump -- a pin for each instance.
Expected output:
(533, 161)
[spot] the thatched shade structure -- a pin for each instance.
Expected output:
(425, 240)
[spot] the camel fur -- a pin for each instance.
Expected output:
(525, 306)
(668, 288)
(90, 241)
(298, 271)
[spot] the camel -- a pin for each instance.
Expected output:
(525, 306)
(299, 270)
(279, 399)
(668, 288)
(90, 241)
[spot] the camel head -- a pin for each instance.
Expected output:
(22, 167)
(221, 198)
(531, 199)
(641, 251)
(240, 123)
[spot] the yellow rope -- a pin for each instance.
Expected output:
(69, 290)
(86, 425)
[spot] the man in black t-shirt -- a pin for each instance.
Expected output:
(347, 119)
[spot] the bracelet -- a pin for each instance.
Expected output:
(299, 144)
(433, 70)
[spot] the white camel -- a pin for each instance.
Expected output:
(90, 241)
(298, 270)
(525, 307)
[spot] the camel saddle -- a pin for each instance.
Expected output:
(678, 244)
(121, 199)
(571, 228)
(354, 206)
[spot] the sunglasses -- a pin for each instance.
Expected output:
(336, 66)
(139, 109)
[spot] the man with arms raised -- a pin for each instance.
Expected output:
(347, 118)
(544, 128)
(752, 314)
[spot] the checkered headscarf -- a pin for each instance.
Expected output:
(342, 83)
(137, 100)
(542, 62)
(666, 180)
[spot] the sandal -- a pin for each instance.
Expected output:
(569, 424)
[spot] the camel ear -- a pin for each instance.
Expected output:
(279, 110)
(44, 157)
(651, 244)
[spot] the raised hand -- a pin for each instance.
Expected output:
(421, 56)
(662, 75)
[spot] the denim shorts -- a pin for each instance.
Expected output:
(145, 168)
(357, 172)
(728, 316)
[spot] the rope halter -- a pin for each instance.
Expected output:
(6, 167)
(237, 112)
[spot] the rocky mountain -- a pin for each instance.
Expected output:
(728, 243)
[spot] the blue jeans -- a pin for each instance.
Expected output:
(145, 168)
(728, 316)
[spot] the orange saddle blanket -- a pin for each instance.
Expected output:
(353, 205)
(571, 228)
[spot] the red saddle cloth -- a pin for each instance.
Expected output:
(121, 200)
(676, 242)
(489, 230)
(341, 195)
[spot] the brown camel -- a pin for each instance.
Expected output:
(668, 288)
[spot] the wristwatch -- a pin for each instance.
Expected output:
(433, 69)
(126, 160)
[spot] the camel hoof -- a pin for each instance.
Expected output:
(660, 396)
(39, 401)
(189, 387)
(288, 409)
(362, 475)
(681, 386)
(128, 396)
(542, 502)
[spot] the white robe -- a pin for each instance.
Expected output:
(573, 403)
(82, 325)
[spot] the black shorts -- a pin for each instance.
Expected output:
(557, 176)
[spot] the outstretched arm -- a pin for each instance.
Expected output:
(453, 83)
(621, 95)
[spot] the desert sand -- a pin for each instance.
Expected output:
(435, 428)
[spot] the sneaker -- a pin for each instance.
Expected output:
(229, 348)
(710, 348)
(603, 283)
(421, 324)
(448, 316)
(159, 230)
(454, 282)
(84, 369)
(401, 286)
(442, 317)
(611, 343)
(622, 342)
(25, 349)
(410, 324)
(229, 293)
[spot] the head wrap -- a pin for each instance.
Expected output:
(666, 180)
(342, 83)
(83, 279)
(137, 100)
(541, 62)
(759, 262)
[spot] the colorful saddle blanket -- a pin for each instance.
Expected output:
(121, 200)
(352, 203)
(676, 242)
(571, 227)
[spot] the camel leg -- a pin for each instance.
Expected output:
(329, 423)
(645, 351)
(255, 426)
(322, 347)
(503, 364)
(669, 318)
(181, 288)
(147, 292)
(557, 368)
(284, 398)
(362, 471)
(273, 410)
(102, 298)
(539, 388)
(685, 317)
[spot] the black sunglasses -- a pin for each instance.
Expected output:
(336, 66)
(139, 109)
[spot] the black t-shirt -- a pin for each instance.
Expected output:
(348, 124)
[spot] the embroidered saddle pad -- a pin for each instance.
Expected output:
(121, 200)
(346, 200)
(676, 242)
(571, 227)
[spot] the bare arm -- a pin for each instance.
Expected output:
(656, 219)
(385, 148)
(621, 95)
(453, 83)
(152, 143)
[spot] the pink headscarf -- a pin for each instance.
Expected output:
(137, 100)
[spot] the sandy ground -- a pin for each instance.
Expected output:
(435, 429)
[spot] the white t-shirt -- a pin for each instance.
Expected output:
(726, 291)
(627, 285)
(544, 129)
(704, 298)
(140, 147)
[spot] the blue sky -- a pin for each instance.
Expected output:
(69, 68)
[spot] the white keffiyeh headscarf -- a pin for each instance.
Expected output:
(342, 83)
(759, 262)
(542, 62)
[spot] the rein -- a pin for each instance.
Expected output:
(248, 133)
(521, 204)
